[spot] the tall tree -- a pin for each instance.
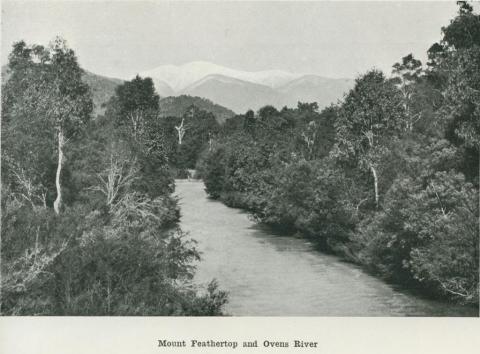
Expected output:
(46, 89)
(406, 75)
(137, 105)
(371, 115)
(464, 30)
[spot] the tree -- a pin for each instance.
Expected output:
(461, 108)
(249, 122)
(464, 30)
(371, 116)
(137, 104)
(46, 87)
(181, 129)
(118, 175)
(407, 74)
(114, 248)
(459, 69)
(307, 107)
(134, 110)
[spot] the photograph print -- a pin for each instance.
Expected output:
(240, 158)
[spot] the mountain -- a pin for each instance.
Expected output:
(236, 94)
(162, 88)
(180, 77)
(177, 106)
(243, 90)
(210, 86)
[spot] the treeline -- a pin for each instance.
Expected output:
(89, 225)
(388, 177)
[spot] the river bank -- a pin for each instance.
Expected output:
(268, 274)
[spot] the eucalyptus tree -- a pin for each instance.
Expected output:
(406, 75)
(181, 130)
(370, 117)
(45, 92)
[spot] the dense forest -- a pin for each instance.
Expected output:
(388, 177)
(89, 224)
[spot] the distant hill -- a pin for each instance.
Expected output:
(102, 89)
(177, 106)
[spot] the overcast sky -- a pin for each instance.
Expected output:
(333, 39)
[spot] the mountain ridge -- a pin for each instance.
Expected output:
(103, 88)
(179, 77)
(242, 90)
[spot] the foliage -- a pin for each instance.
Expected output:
(115, 249)
(44, 96)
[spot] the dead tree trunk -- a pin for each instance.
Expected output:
(375, 184)
(181, 132)
(58, 201)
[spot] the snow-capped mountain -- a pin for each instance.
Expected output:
(242, 90)
(179, 77)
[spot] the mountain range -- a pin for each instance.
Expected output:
(223, 91)
(103, 88)
(242, 90)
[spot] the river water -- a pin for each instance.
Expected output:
(267, 274)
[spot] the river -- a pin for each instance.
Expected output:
(267, 274)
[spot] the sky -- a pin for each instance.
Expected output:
(331, 39)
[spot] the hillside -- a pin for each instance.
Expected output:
(177, 106)
(102, 89)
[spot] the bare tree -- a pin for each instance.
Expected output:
(181, 131)
(29, 191)
(118, 175)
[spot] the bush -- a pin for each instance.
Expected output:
(122, 263)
